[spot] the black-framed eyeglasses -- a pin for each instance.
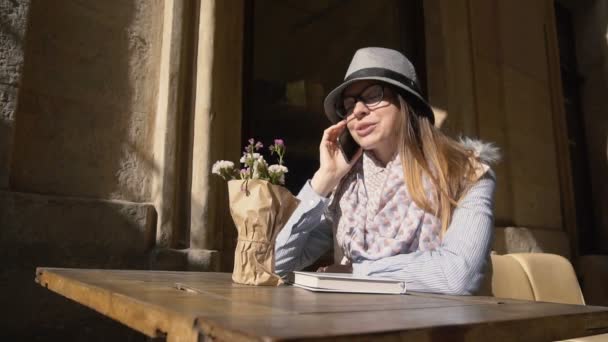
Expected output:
(371, 96)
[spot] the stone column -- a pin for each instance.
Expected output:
(217, 119)
(13, 24)
(171, 139)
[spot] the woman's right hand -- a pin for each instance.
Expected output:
(333, 166)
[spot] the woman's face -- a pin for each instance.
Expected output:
(374, 126)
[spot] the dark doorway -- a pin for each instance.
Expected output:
(297, 51)
(571, 84)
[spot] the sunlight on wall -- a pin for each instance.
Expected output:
(440, 116)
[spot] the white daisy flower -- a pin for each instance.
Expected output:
(275, 168)
(222, 165)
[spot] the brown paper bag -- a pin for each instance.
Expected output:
(259, 210)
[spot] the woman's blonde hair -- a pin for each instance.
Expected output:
(425, 151)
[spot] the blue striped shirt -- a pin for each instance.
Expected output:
(456, 267)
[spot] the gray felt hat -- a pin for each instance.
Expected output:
(388, 66)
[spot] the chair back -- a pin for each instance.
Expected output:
(535, 276)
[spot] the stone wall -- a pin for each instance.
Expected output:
(84, 124)
(78, 114)
(494, 73)
(52, 231)
(488, 71)
(75, 154)
(13, 24)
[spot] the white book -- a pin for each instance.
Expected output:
(345, 282)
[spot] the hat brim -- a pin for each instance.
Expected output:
(411, 96)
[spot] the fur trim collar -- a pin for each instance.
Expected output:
(488, 153)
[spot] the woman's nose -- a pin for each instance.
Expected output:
(360, 110)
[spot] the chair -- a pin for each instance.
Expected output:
(591, 269)
(535, 276)
(539, 277)
(509, 279)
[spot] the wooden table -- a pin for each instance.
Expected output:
(191, 306)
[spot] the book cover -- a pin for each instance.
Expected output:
(346, 282)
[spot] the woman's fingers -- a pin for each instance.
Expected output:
(332, 132)
(332, 164)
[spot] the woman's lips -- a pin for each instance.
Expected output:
(365, 129)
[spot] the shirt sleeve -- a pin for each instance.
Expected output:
(306, 236)
(457, 266)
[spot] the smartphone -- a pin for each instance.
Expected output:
(348, 145)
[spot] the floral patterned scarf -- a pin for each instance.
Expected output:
(375, 217)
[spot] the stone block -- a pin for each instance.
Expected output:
(55, 231)
(203, 260)
(168, 259)
(13, 24)
(87, 101)
(8, 105)
(13, 21)
(188, 259)
(103, 54)
(87, 150)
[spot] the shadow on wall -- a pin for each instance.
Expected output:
(57, 232)
(84, 94)
(591, 26)
(9, 32)
(6, 134)
(12, 25)
(83, 134)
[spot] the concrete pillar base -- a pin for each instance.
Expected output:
(57, 231)
(189, 259)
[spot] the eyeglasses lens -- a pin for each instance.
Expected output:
(370, 96)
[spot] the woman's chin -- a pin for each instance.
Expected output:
(367, 143)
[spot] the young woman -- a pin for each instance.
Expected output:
(412, 204)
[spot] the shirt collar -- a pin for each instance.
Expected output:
(372, 165)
